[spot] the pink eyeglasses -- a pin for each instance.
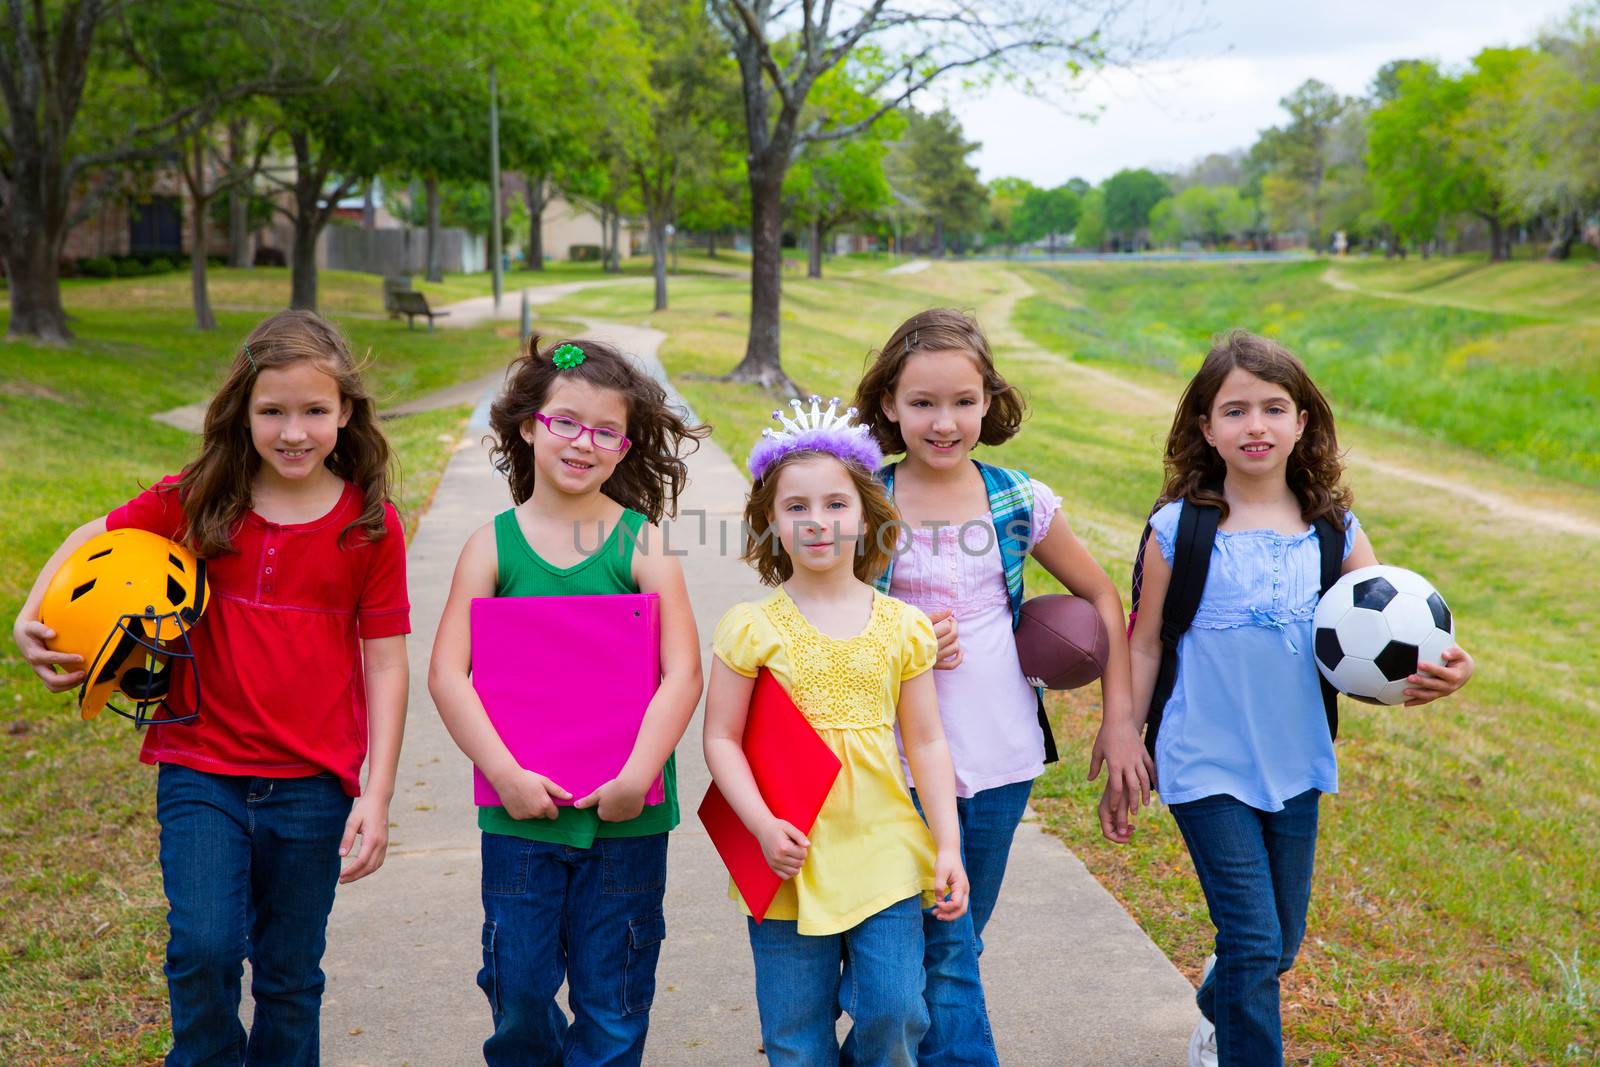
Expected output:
(572, 429)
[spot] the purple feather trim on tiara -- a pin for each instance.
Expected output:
(853, 445)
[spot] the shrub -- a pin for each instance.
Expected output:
(98, 267)
(585, 253)
(160, 265)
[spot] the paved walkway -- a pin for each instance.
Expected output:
(1071, 979)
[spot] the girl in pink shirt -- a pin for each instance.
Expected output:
(933, 393)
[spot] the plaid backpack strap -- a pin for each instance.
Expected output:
(881, 582)
(1011, 509)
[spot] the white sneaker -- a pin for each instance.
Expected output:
(1203, 1042)
(1203, 1045)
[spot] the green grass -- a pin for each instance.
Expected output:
(1524, 388)
(1521, 287)
(1456, 866)
(83, 925)
(1457, 863)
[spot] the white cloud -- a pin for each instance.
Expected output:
(1226, 89)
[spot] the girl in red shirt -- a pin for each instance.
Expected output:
(301, 661)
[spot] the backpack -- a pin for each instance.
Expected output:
(1191, 559)
(1011, 510)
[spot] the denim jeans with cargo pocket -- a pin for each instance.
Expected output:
(591, 917)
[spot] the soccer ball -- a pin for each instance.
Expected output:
(1374, 626)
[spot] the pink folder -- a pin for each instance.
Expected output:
(566, 681)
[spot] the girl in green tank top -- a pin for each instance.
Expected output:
(593, 456)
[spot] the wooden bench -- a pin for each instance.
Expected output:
(411, 303)
(391, 285)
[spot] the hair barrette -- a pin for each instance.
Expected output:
(567, 356)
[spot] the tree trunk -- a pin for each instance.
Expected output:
(535, 197)
(200, 197)
(32, 257)
(1566, 233)
(434, 273)
(238, 228)
(238, 199)
(658, 258)
(1497, 240)
(711, 244)
(303, 261)
(369, 209)
(938, 238)
(761, 363)
(814, 258)
(614, 264)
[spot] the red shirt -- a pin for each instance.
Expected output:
(278, 648)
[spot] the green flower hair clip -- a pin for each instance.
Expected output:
(567, 356)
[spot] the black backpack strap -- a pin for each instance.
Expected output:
(1191, 559)
(1331, 541)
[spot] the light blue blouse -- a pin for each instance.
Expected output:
(1246, 716)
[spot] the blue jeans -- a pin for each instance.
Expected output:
(1255, 868)
(249, 866)
(958, 1032)
(591, 917)
(800, 989)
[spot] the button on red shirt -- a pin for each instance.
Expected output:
(278, 649)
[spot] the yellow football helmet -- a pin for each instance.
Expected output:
(125, 601)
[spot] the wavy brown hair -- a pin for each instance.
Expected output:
(880, 523)
(215, 488)
(1195, 470)
(936, 330)
(651, 474)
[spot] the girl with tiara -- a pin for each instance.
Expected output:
(845, 930)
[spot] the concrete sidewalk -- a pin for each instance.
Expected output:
(1071, 979)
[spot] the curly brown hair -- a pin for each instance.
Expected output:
(763, 550)
(215, 488)
(1195, 470)
(936, 330)
(650, 475)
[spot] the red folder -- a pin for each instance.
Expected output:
(793, 768)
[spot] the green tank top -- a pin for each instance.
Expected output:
(609, 570)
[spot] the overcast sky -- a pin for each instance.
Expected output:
(1222, 85)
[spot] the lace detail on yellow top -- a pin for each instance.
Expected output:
(837, 681)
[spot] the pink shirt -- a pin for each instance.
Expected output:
(989, 711)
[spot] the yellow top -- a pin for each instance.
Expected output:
(869, 847)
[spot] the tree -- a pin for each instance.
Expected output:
(1129, 197)
(941, 36)
(1006, 196)
(716, 194)
(1554, 162)
(934, 154)
(1090, 232)
(546, 54)
(1298, 155)
(1049, 213)
(1417, 178)
(1479, 133)
(1209, 214)
(53, 166)
(690, 80)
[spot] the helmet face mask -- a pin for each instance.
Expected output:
(145, 679)
(126, 602)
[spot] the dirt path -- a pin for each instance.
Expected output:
(996, 314)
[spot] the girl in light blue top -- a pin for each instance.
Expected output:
(1244, 751)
